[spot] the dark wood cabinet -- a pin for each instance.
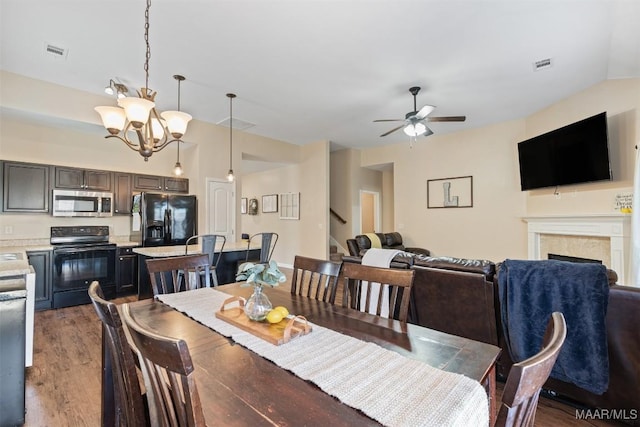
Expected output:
(25, 187)
(41, 263)
(160, 184)
(126, 271)
(82, 179)
(122, 193)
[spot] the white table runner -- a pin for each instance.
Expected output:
(392, 389)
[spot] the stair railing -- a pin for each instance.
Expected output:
(337, 216)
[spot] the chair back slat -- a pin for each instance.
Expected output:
(176, 274)
(359, 277)
(268, 242)
(526, 378)
(209, 244)
(168, 369)
(315, 278)
(130, 406)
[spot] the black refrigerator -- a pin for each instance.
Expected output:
(163, 219)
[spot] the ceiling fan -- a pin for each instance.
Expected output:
(415, 122)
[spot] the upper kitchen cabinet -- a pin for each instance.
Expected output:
(82, 179)
(122, 193)
(25, 187)
(160, 184)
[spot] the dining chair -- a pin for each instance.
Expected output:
(181, 273)
(130, 405)
(268, 242)
(362, 290)
(521, 391)
(168, 369)
(315, 278)
(209, 242)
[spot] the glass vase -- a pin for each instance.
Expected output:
(258, 305)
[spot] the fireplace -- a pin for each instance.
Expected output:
(599, 237)
(568, 258)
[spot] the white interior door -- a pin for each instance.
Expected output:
(221, 211)
(369, 212)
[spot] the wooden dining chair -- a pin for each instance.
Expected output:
(359, 280)
(130, 406)
(209, 242)
(181, 273)
(268, 242)
(315, 278)
(521, 391)
(168, 369)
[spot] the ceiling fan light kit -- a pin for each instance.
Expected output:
(138, 114)
(415, 122)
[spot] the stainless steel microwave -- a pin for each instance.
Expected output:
(82, 203)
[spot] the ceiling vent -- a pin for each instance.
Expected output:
(543, 64)
(56, 51)
(237, 124)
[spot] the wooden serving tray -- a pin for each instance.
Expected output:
(275, 333)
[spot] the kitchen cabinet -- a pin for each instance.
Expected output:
(126, 271)
(82, 179)
(41, 263)
(122, 193)
(160, 184)
(25, 187)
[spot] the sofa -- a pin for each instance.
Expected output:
(460, 297)
(361, 243)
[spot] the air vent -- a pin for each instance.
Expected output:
(542, 64)
(56, 51)
(237, 123)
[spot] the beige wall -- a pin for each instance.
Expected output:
(45, 123)
(307, 236)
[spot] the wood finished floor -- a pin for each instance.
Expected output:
(63, 385)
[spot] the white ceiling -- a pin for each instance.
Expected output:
(310, 70)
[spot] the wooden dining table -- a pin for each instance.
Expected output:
(239, 387)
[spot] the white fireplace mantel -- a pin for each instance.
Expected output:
(617, 227)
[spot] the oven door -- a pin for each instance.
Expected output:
(74, 268)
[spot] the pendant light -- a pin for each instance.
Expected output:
(230, 176)
(177, 169)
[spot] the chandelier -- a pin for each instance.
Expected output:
(138, 114)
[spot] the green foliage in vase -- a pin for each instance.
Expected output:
(260, 274)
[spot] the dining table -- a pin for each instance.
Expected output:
(239, 387)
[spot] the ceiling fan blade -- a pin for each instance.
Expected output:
(425, 111)
(389, 120)
(393, 130)
(447, 119)
(428, 132)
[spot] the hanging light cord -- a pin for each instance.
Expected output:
(231, 96)
(148, 55)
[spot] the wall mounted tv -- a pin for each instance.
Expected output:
(572, 154)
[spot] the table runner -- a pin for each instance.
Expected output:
(392, 389)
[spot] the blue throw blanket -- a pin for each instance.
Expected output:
(531, 290)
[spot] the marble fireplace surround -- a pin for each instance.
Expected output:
(603, 237)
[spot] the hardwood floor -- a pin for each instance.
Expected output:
(63, 385)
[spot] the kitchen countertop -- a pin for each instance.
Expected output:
(168, 251)
(13, 262)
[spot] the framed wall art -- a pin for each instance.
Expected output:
(270, 203)
(290, 206)
(456, 192)
(252, 209)
(243, 205)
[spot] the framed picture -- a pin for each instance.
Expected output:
(290, 206)
(252, 209)
(454, 192)
(243, 205)
(270, 203)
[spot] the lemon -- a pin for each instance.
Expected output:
(282, 310)
(274, 316)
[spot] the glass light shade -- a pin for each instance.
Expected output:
(113, 118)
(177, 169)
(415, 129)
(108, 90)
(176, 122)
(136, 109)
(230, 176)
(157, 126)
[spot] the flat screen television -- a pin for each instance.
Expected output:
(572, 154)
